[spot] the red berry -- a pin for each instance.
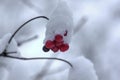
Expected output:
(55, 49)
(59, 38)
(64, 47)
(45, 49)
(49, 44)
(58, 44)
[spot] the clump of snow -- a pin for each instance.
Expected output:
(12, 47)
(82, 69)
(4, 42)
(60, 21)
(6, 63)
(11, 69)
(3, 73)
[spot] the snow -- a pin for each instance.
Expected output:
(12, 47)
(83, 69)
(94, 49)
(4, 42)
(60, 21)
(3, 73)
(7, 64)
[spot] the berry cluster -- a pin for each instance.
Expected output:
(56, 45)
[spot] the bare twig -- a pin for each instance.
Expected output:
(19, 28)
(25, 24)
(37, 58)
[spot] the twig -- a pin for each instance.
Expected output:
(25, 24)
(38, 58)
(19, 28)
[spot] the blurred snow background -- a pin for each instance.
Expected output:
(98, 41)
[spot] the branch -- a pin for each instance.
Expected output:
(37, 58)
(25, 24)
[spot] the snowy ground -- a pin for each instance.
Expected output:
(94, 46)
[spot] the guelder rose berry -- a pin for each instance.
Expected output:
(45, 49)
(59, 38)
(55, 49)
(49, 44)
(58, 44)
(64, 47)
(57, 29)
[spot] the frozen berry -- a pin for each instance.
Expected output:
(58, 44)
(49, 44)
(45, 49)
(55, 49)
(59, 38)
(64, 47)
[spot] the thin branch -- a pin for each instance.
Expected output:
(25, 24)
(19, 28)
(11, 52)
(38, 58)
